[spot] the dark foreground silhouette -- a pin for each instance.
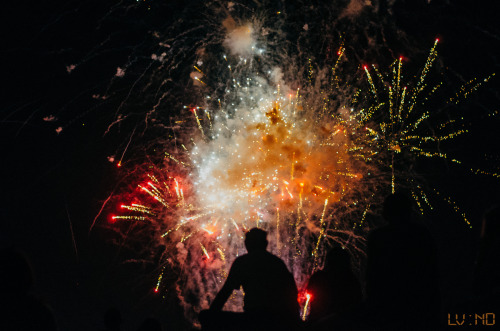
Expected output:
(270, 301)
(484, 303)
(336, 293)
(150, 324)
(487, 269)
(402, 276)
(21, 309)
(112, 320)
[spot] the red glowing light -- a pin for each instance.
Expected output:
(119, 164)
(156, 290)
(112, 219)
(365, 67)
(304, 296)
(437, 40)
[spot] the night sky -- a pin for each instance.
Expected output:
(53, 185)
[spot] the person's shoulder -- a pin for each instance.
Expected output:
(317, 276)
(377, 233)
(240, 259)
(421, 233)
(319, 273)
(274, 258)
(271, 255)
(420, 228)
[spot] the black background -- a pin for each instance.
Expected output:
(53, 185)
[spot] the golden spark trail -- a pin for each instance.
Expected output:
(278, 242)
(306, 306)
(372, 85)
(205, 251)
(321, 233)
(198, 122)
(159, 280)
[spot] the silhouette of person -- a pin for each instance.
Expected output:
(150, 324)
(335, 291)
(112, 320)
(21, 310)
(402, 277)
(270, 300)
(487, 269)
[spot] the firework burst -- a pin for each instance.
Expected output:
(300, 151)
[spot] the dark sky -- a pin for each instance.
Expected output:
(54, 184)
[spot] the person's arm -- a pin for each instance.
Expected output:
(232, 282)
(221, 297)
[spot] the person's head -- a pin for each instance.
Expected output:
(487, 269)
(112, 319)
(397, 207)
(150, 324)
(338, 258)
(256, 240)
(17, 275)
(491, 224)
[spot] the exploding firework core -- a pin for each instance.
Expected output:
(272, 164)
(297, 151)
